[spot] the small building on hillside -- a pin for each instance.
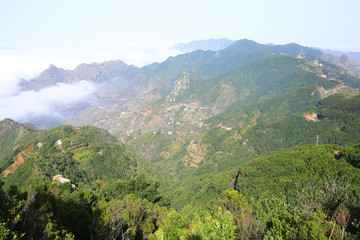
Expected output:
(59, 142)
(60, 179)
(223, 127)
(57, 177)
(312, 117)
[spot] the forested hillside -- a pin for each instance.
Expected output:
(299, 193)
(12, 135)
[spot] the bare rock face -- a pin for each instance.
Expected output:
(49, 77)
(350, 64)
(226, 97)
(181, 85)
(104, 72)
(337, 89)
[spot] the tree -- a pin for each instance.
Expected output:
(247, 227)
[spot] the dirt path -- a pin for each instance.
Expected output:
(19, 160)
(257, 114)
(195, 155)
(165, 155)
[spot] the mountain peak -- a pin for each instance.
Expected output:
(8, 121)
(52, 66)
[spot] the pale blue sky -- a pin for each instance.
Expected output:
(37, 33)
(323, 23)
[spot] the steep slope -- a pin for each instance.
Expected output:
(353, 55)
(194, 99)
(285, 173)
(301, 172)
(337, 122)
(348, 63)
(123, 88)
(13, 135)
(252, 129)
(103, 72)
(87, 156)
(201, 63)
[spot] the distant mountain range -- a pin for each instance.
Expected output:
(211, 44)
(124, 88)
(354, 55)
(219, 44)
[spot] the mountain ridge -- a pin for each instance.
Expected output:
(209, 44)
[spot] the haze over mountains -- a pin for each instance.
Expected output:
(354, 55)
(211, 44)
(127, 86)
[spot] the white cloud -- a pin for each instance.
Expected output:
(26, 105)
(28, 62)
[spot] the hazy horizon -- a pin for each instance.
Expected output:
(67, 33)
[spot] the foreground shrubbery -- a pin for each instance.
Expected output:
(305, 192)
(59, 212)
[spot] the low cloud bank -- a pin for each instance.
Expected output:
(27, 62)
(23, 106)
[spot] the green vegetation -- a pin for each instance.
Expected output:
(257, 170)
(257, 128)
(338, 123)
(264, 78)
(269, 110)
(298, 193)
(87, 156)
(12, 136)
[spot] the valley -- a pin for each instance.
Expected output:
(170, 150)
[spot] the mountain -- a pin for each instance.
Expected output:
(123, 88)
(347, 60)
(260, 136)
(261, 87)
(163, 110)
(252, 129)
(352, 65)
(353, 55)
(111, 78)
(91, 72)
(160, 81)
(204, 165)
(194, 99)
(210, 44)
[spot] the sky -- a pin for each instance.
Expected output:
(37, 33)
(68, 32)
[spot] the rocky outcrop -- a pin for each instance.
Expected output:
(107, 71)
(181, 85)
(337, 89)
(350, 64)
